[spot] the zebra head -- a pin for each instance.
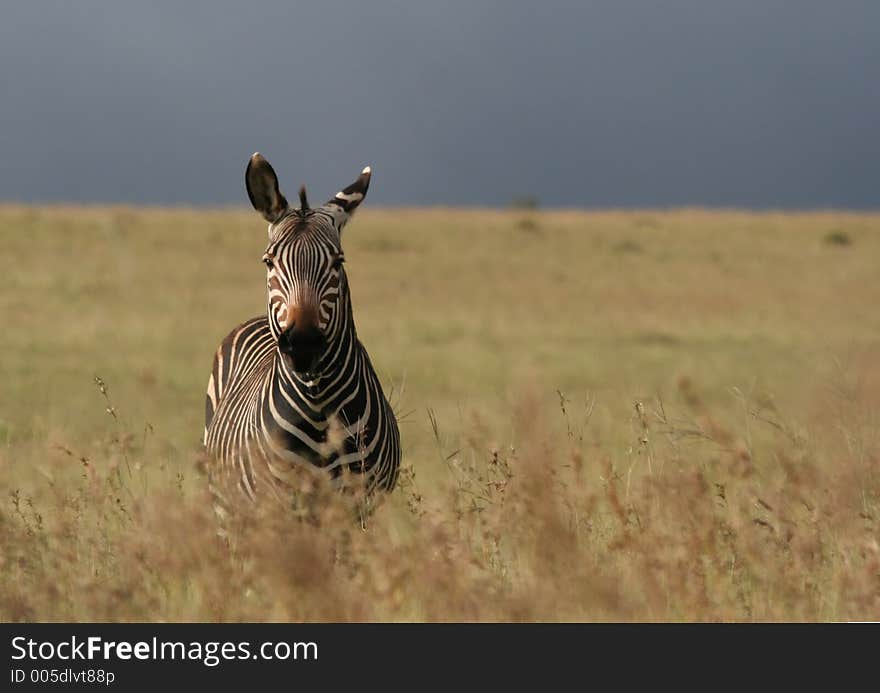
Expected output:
(309, 307)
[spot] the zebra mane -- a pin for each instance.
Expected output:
(303, 200)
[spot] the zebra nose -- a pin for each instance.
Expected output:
(302, 345)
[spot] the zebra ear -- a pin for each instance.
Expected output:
(262, 189)
(349, 198)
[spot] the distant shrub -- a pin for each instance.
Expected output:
(627, 245)
(528, 224)
(837, 237)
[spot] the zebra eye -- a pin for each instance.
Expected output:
(267, 260)
(338, 260)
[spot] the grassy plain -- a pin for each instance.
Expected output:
(655, 415)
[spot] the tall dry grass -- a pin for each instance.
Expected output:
(700, 522)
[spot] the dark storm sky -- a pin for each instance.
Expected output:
(757, 103)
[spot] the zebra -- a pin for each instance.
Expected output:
(294, 389)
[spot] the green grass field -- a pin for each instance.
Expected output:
(665, 415)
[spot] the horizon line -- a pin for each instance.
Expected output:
(237, 207)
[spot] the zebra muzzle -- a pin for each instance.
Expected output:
(303, 346)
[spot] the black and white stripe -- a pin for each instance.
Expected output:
(295, 389)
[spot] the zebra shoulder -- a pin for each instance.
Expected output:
(250, 339)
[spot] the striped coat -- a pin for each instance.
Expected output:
(294, 390)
